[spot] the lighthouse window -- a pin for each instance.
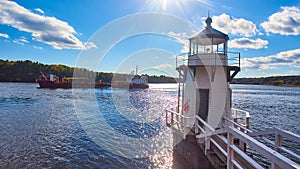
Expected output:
(201, 49)
(209, 49)
(194, 49)
(221, 48)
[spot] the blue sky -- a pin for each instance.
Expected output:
(60, 32)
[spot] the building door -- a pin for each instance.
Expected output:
(202, 100)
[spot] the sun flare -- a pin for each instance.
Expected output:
(164, 4)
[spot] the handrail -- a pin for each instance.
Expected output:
(272, 155)
(278, 134)
(244, 135)
(204, 123)
(285, 133)
(288, 134)
(282, 148)
(237, 124)
(178, 116)
(247, 114)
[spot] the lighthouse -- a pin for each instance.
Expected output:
(204, 89)
(204, 94)
(207, 131)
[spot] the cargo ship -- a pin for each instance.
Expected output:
(52, 81)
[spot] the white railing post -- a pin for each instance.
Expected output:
(243, 145)
(247, 119)
(172, 118)
(184, 128)
(230, 152)
(278, 143)
(234, 116)
(207, 144)
(196, 125)
(167, 118)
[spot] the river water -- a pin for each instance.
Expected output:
(104, 128)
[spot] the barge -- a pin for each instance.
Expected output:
(52, 81)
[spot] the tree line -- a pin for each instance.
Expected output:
(28, 71)
(273, 80)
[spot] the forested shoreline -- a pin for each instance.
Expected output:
(28, 71)
(273, 80)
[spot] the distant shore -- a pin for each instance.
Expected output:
(289, 81)
(28, 71)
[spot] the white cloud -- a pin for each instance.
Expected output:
(248, 43)
(37, 47)
(181, 38)
(90, 45)
(226, 7)
(234, 26)
(4, 35)
(287, 58)
(21, 41)
(39, 10)
(294, 72)
(49, 30)
(163, 66)
(286, 22)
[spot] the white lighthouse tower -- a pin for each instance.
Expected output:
(207, 132)
(204, 89)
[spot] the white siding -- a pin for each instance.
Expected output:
(190, 98)
(219, 92)
(218, 102)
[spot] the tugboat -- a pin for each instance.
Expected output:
(52, 81)
(133, 82)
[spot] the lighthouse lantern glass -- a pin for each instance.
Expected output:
(211, 45)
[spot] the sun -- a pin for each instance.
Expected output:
(164, 4)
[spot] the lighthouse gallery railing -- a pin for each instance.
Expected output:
(209, 59)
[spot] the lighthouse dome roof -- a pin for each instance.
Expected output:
(209, 35)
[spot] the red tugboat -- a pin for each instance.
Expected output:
(52, 81)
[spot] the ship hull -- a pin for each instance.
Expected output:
(138, 86)
(130, 86)
(53, 85)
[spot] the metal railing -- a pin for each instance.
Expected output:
(231, 59)
(211, 59)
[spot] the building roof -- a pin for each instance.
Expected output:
(209, 35)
